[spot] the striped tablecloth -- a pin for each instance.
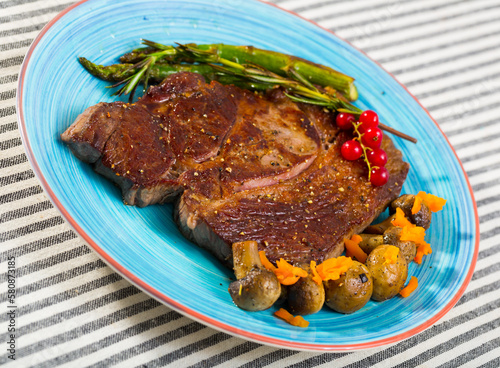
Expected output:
(74, 311)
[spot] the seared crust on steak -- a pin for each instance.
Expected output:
(241, 166)
(302, 219)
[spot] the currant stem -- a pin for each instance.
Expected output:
(365, 148)
(397, 133)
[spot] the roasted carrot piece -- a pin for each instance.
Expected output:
(410, 288)
(265, 262)
(288, 274)
(423, 249)
(415, 234)
(391, 254)
(434, 203)
(400, 219)
(294, 321)
(417, 205)
(353, 249)
(285, 272)
(332, 268)
(356, 238)
(418, 257)
(316, 277)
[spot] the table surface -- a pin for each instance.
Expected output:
(74, 311)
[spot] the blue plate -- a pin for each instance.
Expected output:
(145, 246)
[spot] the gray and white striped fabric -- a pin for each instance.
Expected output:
(74, 311)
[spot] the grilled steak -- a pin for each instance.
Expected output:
(241, 166)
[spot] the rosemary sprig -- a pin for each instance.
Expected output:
(131, 83)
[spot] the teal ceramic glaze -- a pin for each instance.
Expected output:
(145, 246)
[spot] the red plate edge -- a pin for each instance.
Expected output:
(187, 311)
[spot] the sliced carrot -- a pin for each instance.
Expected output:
(285, 272)
(353, 249)
(299, 321)
(400, 219)
(434, 203)
(333, 268)
(410, 288)
(418, 257)
(265, 262)
(423, 249)
(415, 234)
(283, 314)
(287, 317)
(356, 238)
(288, 274)
(417, 205)
(316, 277)
(391, 255)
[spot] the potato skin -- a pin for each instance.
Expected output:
(370, 241)
(408, 248)
(305, 296)
(388, 279)
(349, 293)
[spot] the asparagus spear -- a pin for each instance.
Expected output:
(280, 64)
(303, 90)
(273, 61)
(299, 88)
(120, 72)
(136, 55)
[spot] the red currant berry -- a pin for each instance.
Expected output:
(345, 120)
(377, 157)
(351, 150)
(372, 137)
(379, 176)
(369, 119)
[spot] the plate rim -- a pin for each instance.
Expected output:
(188, 312)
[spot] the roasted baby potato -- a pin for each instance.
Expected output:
(351, 291)
(408, 248)
(388, 277)
(370, 242)
(305, 296)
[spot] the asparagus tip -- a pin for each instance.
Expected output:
(352, 94)
(88, 65)
(83, 61)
